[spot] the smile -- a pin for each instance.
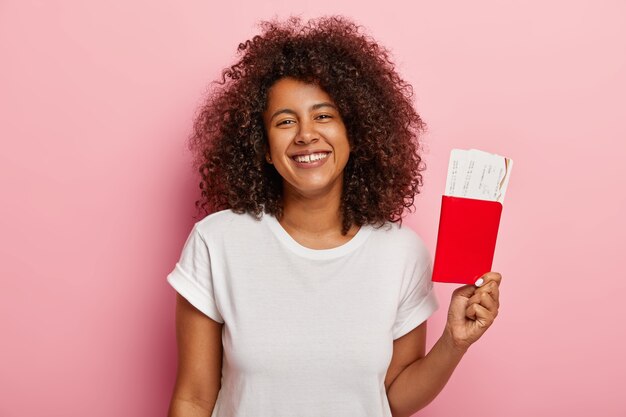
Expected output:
(313, 160)
(307, 159)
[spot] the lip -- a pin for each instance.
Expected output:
(309, 152)
(309, 165)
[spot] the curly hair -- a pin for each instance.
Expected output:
(229, 140)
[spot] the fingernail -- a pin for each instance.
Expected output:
(479, 282)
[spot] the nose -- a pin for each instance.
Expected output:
(306, 133)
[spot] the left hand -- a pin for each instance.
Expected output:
(472, 310)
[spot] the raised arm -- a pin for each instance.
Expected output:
(415, 384)
(198, 378)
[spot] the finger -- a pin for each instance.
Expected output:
(491, 277)
(486, 300)
(470, 311)
(490, 288)
(483, 316)
(477, 311)
(491, 283)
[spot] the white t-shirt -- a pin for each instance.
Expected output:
(307, 332)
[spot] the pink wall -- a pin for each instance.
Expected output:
(96, 101)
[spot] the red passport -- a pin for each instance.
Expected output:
(466, 240)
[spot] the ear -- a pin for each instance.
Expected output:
(268, 158)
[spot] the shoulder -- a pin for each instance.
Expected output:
(403, 240)
(220, 223)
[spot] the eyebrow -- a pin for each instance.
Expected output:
(313, 107)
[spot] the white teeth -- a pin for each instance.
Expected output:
(311, 158)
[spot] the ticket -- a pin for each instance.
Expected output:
(478, 174)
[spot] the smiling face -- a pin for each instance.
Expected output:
(308, 142)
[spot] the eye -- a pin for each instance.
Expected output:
(284, 122)
(324, 116)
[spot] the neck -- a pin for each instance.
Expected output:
(313, 215)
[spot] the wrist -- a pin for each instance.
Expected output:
(453, 345)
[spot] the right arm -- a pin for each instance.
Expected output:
(198, 379)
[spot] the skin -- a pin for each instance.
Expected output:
(198, 378)
(472, 311)
(302, 116)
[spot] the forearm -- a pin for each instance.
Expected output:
(419, 383)
(186, 408)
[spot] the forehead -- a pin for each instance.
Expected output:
(295, 93)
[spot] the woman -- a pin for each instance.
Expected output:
(301, 294)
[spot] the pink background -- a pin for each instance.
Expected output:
(96, 101)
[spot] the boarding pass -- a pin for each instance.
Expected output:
(478, 174)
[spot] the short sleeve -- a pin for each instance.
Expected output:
(192, 277)
(417, 302)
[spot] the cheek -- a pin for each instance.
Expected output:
(277, 141)
(337, 134)
(341, 142)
